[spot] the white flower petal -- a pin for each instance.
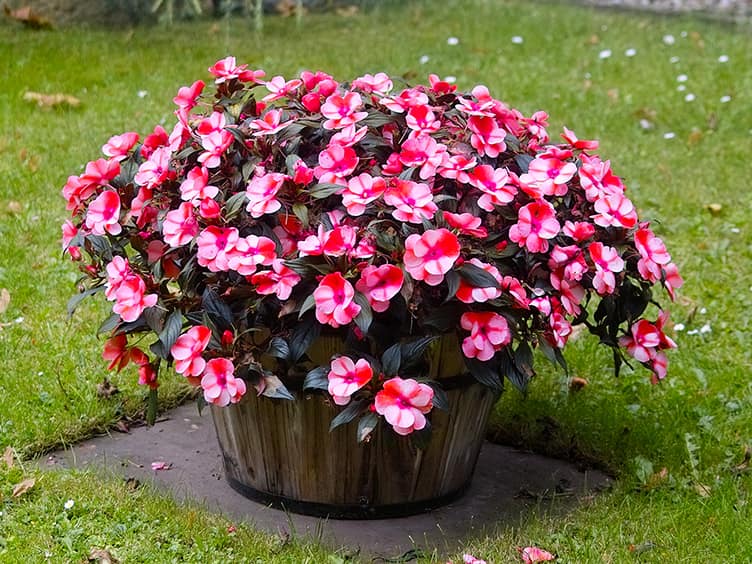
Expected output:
(517, 40)
(723, 59)
(453, 41)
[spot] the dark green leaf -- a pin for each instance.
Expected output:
(353, 409)
(376, 118)
(154, 318)
(366, 425)
(440, 398)
(365, 317)
(200, 403)
(453, 283)
(523, 161)
(308, 303)
(443, 318)
(324, 190)
(407, 174)
(217, 310)
(290, 162)
(414, 350)
(487, 373)
(274, 388)
(109, 324)
(391, 360)
(421, 438)
(78, 298)
(301, 212)
(172, 329)
(478, 277)
(554, 355)
(234, 205)
(306, 331)
(278, 348)
(317, 379)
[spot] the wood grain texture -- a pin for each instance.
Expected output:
(285, 448)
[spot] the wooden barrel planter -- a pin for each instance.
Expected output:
(282, 453)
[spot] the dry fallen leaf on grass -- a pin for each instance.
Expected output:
(51, 100)
(4, 300)
(8, 457)
(28, 17)
(102, 556)
(23, 486)
(714, 209)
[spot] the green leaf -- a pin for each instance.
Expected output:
(478, 277)
(109, 324)
(290, 162)
(308, 303)
(366, 425)
(365, 317)
(317, 379)
(391, 360)
(274, 388)
(151, 407)
(453, 284)
(234, 205)
(376, 118)
(324, 190)
(278, 348)
(172, 329)
(301, 212)
(354, 409)
(487, 373)
(413, 351)
(78, 298)
(217, 310)
(440, 398)
(523, 161)
(554, 355)
(305, 332)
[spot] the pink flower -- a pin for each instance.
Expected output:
(147, 376)
(454, 166)
(118, 270)
(271, 122)
(607, 261)
(423, 151)
(547, 176)
(470, 559)
(413, 202)
(440, 86)
(380, 284)
(155, 170)
(559, 329)
(118, 146)
(575, 143)
(186, 98)
(219, 383)
(180, 226)
(379, 83)
(362, 190)
(262, 193)
(482, 107)
(279, 88)
(643, 337)
(489, 333)
(100, 172)
(487, 137)
(472, 294)
(467, 223)
(346, 378)
(536, 223)
(194, 188)
(422, 120)
(578, 230)
(404, 403)
(405, 100)
(187, 351)
(495, 185)
(279, 281)
(131, 299)
(117, 352)
(615, 210)
(672, 279)
(597, 179)
(348, 136)
(104, 213)
(513, 286)
(335, 163)
(215, 245)
(430, 256)
(226, 69)
(76, 192)
(653, 254)
(535, 555)
(249, 252)
(334, 301)
(69, 233)
(342, 111)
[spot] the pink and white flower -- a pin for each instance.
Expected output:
(195, 187)
(227, 69)
(188, 349)
(262, 193)
(342, 110)
(249, 252)
(615, 210)
(536, 224)
(219, 383)
(180, 226)
(361, 190)
(335, 163)
(103, 214)
(279, 281)
(404, 403)
(413, 202)
(489, 333)
(118, 146)
(380, 284)
(469, 294)
(215, 245)
(334, 300)
(347, 377)
(607, 261)
(428, 257)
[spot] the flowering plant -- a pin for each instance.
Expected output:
(278, 209)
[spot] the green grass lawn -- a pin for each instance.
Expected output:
(686, 165)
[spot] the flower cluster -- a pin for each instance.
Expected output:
(275, 211)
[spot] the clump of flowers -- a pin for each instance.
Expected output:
(277, 211)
